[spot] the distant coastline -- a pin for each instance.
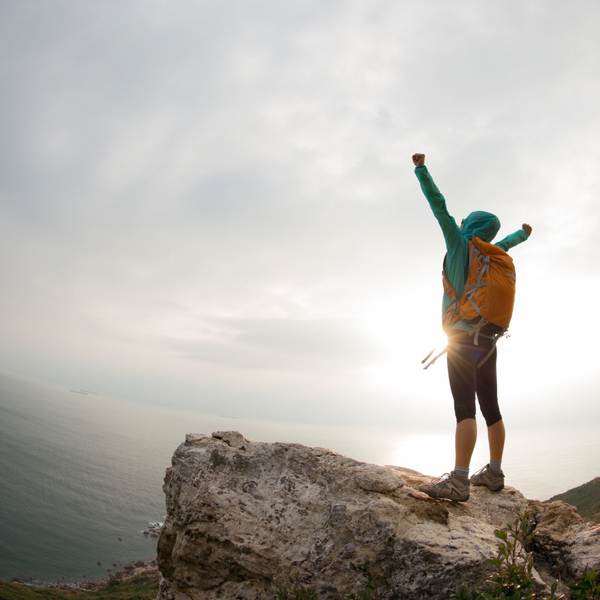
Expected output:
(141, 575)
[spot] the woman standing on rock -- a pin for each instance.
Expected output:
(471, 354)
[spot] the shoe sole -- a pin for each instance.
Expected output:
(492, 489)
(436, 497)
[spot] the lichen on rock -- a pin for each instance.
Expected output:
(243, 516)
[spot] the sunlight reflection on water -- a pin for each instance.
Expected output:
(83, 474)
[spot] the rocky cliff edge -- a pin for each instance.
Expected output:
(243, 516)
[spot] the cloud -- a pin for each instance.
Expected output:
(230, 183)
(311, 346)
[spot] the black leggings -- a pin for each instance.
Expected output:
(466, 379)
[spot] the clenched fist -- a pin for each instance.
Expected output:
(418, 159)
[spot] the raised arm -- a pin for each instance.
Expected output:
(515, 238)
(436, 200)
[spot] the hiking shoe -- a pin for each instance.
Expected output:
(447, 486)
(492, 480)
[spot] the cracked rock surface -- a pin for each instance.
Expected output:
(243, 516)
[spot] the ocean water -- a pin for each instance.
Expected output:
(81, 474)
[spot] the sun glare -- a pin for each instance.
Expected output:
(405, 343)
(429, 454)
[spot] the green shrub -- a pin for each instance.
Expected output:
(513, 575)
(587, 586)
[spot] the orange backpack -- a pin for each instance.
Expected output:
(489, 296)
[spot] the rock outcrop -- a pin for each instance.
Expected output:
(585, 497)
(242, 517)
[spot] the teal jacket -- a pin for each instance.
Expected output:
(478, 224)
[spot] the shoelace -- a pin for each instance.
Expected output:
(481, 470)
(441, 478)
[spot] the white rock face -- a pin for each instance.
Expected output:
(243, 516)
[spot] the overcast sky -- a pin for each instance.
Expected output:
(212, 204)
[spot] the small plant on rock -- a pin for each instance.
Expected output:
(587, 586)
(369, 592)
(297, 591)
(513, 577)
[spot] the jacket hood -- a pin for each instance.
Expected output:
(481, 224)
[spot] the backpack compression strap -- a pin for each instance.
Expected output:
(471, 290)
(476, 330)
